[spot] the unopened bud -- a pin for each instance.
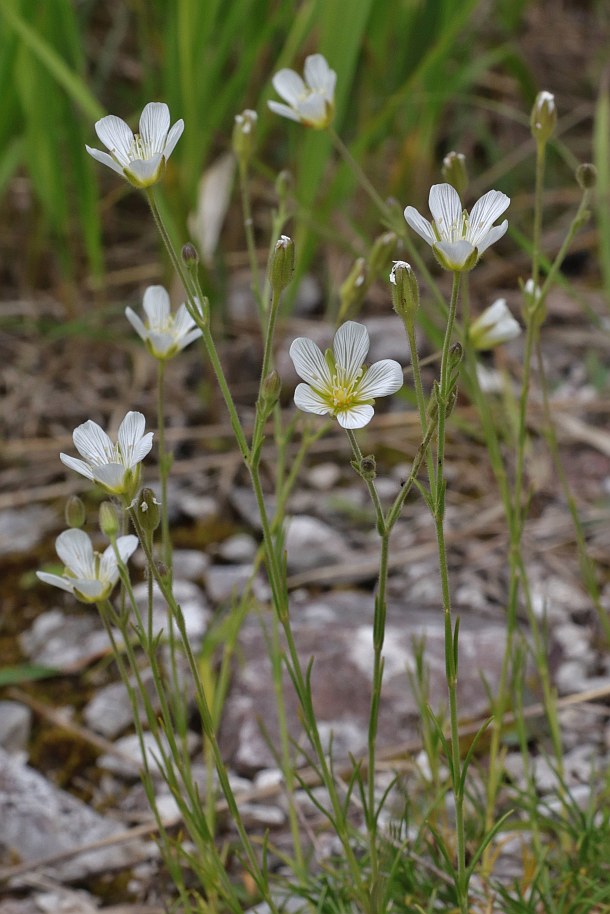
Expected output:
(271, 389)
(109, 520)
(147, 509)
(353, 289)
(382, 253)
(75, 512)
(189, 254)
(534, 309)
(405, 291)
(244, 136)
(543, 118)
(586, 175)
(456, 354)
(454, 171)
(366, 467)
(493, 326)
(282, 263)
(284, 185)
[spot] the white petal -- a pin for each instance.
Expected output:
(492, 236)
(356, 416)
(490, 316)
(350, 347)
(79, 465)
(92, 443)
(127, 545)
(310, 401)
(313, 110)
(161, 343)
(130, 433)
(183, 322)
(154, 126)
(382, 378)
(189, 338)
(144, 172)
(136, 323)
(76, 552)
(289, 86)
(419, 224)
(116, 136)
(484, 213)
(284, 111)
(92, 590)
(105, 159)
(309, 362)
(55, 580)
(455, 253)
(157, 306)
(112, 477)
(319, 76)
(172, 138)
(446, 209)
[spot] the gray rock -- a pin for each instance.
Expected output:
(336, 630)
(239, 548)
(129, 747)
(40, 820)
(192, 600)
(65, 642)
(109, 712)
(15, 726)
(312, 543)
(22, 529)
(190, 564)
(224, 582)
(324, 476)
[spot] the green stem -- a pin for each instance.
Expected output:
(164, 466)
(244, 185)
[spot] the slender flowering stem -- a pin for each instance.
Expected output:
(244, 186)
(164, 465)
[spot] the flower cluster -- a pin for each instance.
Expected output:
(165, 334)
(88, 575)
(457, 238)
(337, 384)
(139, 157)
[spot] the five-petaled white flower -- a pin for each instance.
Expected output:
(139, 157)
(89, 575)
(493, 326)
(115, 467)
(337, 383)
(164, 333)
(457, 238)
(310, 101)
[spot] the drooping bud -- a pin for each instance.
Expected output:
(543, 118)
(189, 254)
(282, 263)
(109, 520)
(244, 136)
(381, 253)
(586, 175)
(454, 171)
(75, 512)
(353, 289)
(493, 326)
(534, 309)
(271, 389)
(147, 509)
(405, 291)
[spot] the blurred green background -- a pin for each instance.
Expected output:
(415, 79)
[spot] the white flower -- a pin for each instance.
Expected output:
(139, 157)
(457, 238)
(337, 383)
(115, 467)
(164, 333)
(494, 326)
(310, 101)
(89, 575)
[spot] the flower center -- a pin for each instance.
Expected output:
(343, 390)
(139, 149)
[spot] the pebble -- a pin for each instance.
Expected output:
(312, 543)
(22, 529)
(129, 764)
(226, 582)
(190, 564)
(65, 642)
(109, 712)
(239, 548)
(15, 726)
(324, 476)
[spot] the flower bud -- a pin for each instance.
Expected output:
(543, 118)
(493, 326)
(381, 253)
(109, 520)
(189, 254)
(586, 175)
(454, 171)
(282, 263)
(244, 136)
(405, 291)
(534, 309)
(456, 354)
(75, 512)
(271, 389)
(147, 509)
(353, 289)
